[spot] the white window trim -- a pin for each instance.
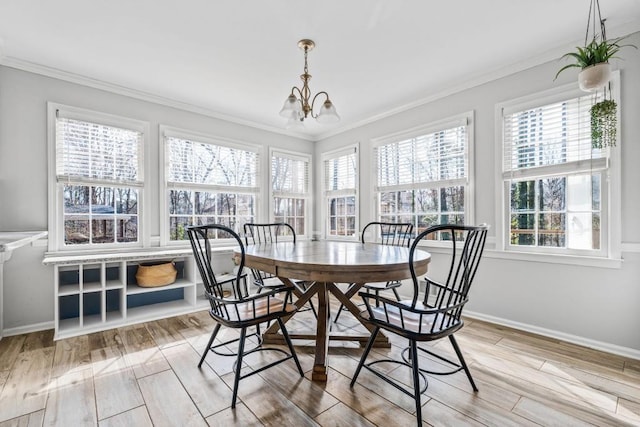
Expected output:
(294, 155)
(163, 201)
(55, 214)
(328, 155)
(613, 209)
(467, 119)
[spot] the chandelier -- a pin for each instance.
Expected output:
(297, 108)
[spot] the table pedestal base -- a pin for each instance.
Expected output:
(323, 335)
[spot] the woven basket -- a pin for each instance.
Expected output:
(151, 275)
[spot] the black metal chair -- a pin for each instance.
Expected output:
(241, 311)
(431, 316)
(391, 234)
(255, 234)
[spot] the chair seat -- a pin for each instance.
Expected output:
(380, 286)
(272, 282)
(254, 309)
(410, 321)
(227, 277)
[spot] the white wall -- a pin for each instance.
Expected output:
(28, 285)
(594, 306)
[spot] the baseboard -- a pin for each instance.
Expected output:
(630, 247)
(574, 339)
(28, 328)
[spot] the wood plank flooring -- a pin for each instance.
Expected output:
(147, 374)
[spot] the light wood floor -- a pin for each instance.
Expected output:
(147, 375)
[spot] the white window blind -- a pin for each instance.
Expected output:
(93, 152)
(340, 173)
(435, 158)
(290, 175)
(550, 138)
(192, 162)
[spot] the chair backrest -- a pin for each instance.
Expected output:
(255, 234)
(267, 233)
(391, 233)
(450, 296)
(200, 236)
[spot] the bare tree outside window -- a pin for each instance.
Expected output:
(209, 183)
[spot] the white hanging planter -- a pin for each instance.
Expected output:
(594, 77)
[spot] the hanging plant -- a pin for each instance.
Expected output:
(594, 53)
(593, 58)
(604, 124)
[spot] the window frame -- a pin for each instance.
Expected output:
(610, 185)
(166, 132)
(56, 240)
(330, 194)
(307, 196)
(463, 119)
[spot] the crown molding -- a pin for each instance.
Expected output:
(12, 62)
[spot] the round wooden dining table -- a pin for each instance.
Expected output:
(322, 264)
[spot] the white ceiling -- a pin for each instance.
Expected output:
(239, 59)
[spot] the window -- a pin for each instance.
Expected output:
(556, 187)
(423, 176)
(290, 190)
(341, 192)
(208, 181)
(99, 179)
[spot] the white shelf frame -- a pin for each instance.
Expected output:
(192, 300)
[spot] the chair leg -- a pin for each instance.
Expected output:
(285, 334)
(416, 380)
(338, 313)
(374, 334)
(313, 309)
(209, 344)
(377, 298)
(236, 380)
(454, 343)
(395, 291)
(244, 282)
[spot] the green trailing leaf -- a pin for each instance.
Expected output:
(594, 53)
(604, 124)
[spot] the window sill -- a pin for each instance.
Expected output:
(60, 258)
(555, 259)
(538, 257)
